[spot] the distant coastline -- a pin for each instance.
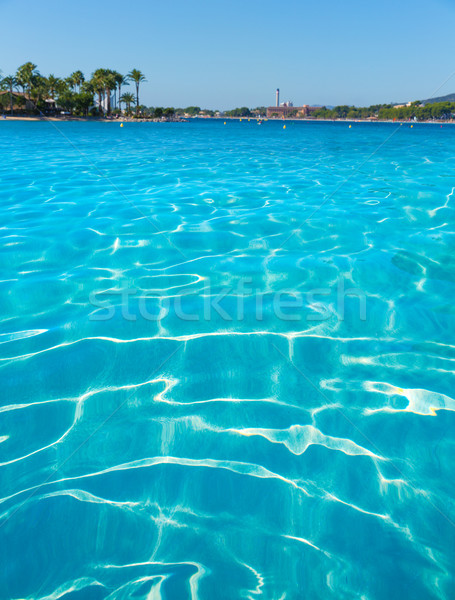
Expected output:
(70, 118)
(27, 95)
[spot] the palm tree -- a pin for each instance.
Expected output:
(97, 82)
(76, 79)
(104, 82)
(26, 75)
(39, 89)
(128, 99)
(10, 83)
(110, 85)
(53, 84)
(85, 100)
(138, 77)
(62, 87)
(87, 87)
(121, 80)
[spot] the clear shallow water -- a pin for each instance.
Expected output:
(163, 437)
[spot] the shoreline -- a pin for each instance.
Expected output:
(186, 120)
(87, 119)
(279, 120)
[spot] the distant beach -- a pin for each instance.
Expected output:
(65, 118)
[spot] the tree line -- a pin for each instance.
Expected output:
(101, 94)
(244, 111)
(416, 110)
(74, 93)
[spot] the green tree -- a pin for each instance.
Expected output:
(26, 76)
(105, 84)
(341, 111)
(39, 91)
(83, 101)
(21, 102)
(111, 86)
(75, 80)
(52, 85)
(138, 77)
(10, 83)
(67, 100)
(128, 99)
(244, 111)
(120, 80)
(193, 110)
(4, 101)
(100, 82)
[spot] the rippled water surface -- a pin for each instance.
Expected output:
(227, 361)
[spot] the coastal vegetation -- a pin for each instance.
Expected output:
(28, 90)
(389, 112)
(137, 77)
(103, 94)
(246, 112)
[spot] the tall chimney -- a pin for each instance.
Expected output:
(278, 96)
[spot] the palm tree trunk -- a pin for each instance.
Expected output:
(108, 101)
(137, 98)
(11, 98)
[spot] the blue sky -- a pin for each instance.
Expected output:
(225, 54)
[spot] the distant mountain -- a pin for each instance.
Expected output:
(448, 98)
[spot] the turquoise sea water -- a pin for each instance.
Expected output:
(227, 361)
